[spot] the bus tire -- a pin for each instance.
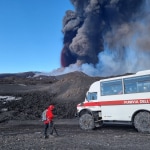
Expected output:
(86, 122)
(142, 121)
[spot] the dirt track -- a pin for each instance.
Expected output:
(27, 135)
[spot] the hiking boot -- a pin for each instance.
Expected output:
(46, 136)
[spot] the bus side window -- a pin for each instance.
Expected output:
(113, 87)
(137, 84)
(92, 96)
(144, 87)
(130, 88)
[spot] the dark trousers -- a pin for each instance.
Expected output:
(49, 127)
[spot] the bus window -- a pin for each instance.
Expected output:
(144, 86)
(137, 84)
(111, 87)
(92, 96)
(130, 88)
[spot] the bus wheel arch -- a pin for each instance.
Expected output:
(141, 121)
(85, 111)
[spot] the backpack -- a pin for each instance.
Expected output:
(44, 115)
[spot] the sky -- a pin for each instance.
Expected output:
(31, 37)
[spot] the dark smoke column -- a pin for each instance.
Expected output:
(82, 42)
(84, 30)
(70, 25)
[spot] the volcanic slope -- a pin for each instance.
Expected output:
(29, 96)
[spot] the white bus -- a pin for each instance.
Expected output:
(124, 99)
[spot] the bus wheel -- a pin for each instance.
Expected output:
(86, 122)
(142, 121)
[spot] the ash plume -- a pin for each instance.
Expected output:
(107, 37)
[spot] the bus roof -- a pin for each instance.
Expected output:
(144, 72)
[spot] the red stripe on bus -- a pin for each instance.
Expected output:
(117, 102)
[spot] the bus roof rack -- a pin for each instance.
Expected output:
(143, 72)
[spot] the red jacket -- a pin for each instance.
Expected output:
(49, 114)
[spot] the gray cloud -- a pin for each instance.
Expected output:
(107, 34)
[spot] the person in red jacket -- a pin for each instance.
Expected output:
(49, 120)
